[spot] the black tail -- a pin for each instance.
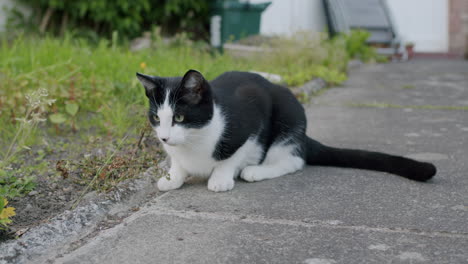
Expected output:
(321, 155)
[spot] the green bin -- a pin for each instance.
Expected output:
(233, 20)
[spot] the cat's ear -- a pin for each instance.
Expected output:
(193, 85)
(147, 81)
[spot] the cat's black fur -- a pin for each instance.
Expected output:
(253, 106)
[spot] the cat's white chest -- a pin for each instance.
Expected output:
(199, 161)
(196, 161)
(196, 156)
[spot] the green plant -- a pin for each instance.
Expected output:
(5, 213)
(71, 109)
(37, 102)
(102, 17)
(12, 186)
(302, 57)
(407, 86)
(356, 45)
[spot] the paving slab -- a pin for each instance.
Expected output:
(421, 82)
(156, 235)
(326, 215)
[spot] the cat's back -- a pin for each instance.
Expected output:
(247, 95)
(235, 82)
(251, 88)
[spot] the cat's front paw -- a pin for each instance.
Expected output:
(220, 184)
(252, 174)
(165, 184)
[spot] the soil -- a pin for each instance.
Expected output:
(70, 169)
(46, 201)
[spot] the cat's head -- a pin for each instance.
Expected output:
(178, 106)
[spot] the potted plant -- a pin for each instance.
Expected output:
(410, 49)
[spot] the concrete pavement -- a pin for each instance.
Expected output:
(326, 215)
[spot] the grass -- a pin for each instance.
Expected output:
(100, 80)
(303, 56)
(408, 86)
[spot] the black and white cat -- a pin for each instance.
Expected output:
(241, 124)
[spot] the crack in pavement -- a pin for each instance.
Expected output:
(157, 210)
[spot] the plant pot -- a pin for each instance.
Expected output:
(410, 51)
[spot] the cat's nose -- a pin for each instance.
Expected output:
(164, 139)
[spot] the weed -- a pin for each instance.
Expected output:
(71, 109)
(12, 186)
(5, 213)
(407, 86)
(125, 161)
(26, 125)
(357, 47)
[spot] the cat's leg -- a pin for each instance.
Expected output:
(279, 160)
(222, 178)
(177, 176)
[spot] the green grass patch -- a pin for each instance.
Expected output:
(95, 86)
(408, 86)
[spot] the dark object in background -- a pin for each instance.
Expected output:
(370, 15)
(232, 20)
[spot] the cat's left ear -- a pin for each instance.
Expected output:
(194, 85)
(147, 81)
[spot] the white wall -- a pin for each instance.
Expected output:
(8, 4)
(289, 16)
(424, 22)
(3, 4)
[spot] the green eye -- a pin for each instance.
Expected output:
(179, 118)
(156, 117)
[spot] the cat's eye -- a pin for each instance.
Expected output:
(156, 118)
(179, 118)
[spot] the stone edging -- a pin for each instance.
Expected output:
(72, 225)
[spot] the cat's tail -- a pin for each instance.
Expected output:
(321, 155)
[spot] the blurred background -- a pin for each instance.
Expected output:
(433, 26)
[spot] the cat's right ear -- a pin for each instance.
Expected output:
(147, 81)
(194, 85)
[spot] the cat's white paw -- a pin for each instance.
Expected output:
(166, 185)
(220, 184)
(253, 173)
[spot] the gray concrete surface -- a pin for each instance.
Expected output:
(325, 215)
